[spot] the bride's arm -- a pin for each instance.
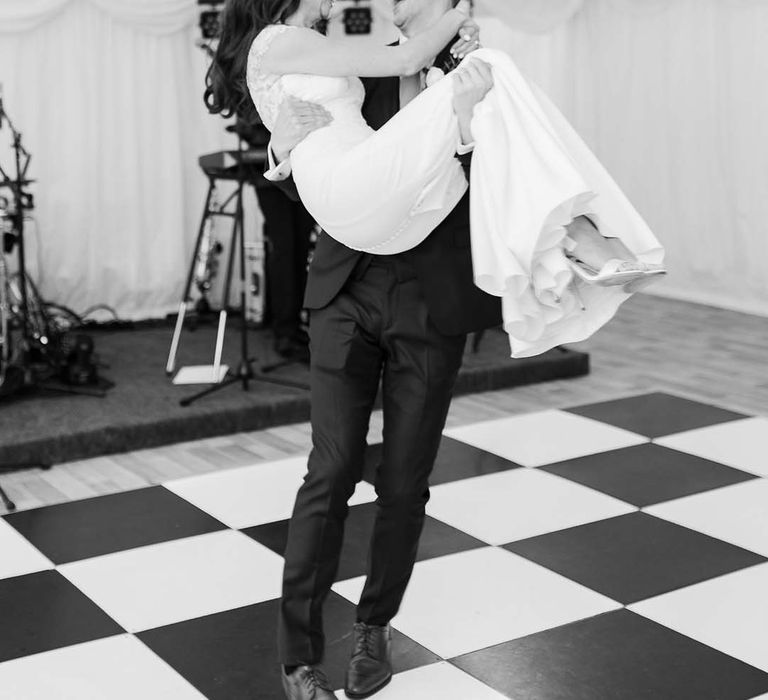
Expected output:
(306, 51)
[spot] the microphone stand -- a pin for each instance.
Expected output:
(23, 201)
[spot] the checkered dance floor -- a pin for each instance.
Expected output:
(616, 551)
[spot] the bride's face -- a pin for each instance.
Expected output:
(326, 8)
(318, 9)
(415, 12)
(403, 11)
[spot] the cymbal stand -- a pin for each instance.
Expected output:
(22, 200)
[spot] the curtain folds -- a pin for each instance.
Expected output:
(153, 16)
(114, 118)
(531, 16)
(537, 17)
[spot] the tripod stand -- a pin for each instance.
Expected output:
(245, 373)
(11, 372)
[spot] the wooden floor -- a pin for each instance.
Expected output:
(654, 344)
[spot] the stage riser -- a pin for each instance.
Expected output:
(142, 411)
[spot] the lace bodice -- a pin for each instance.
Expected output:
(266, 89)
(343, 97)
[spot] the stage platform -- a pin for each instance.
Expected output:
(143, 410)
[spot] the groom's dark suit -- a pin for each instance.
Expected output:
(442, 262)
(401, 319)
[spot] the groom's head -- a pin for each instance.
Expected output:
(414, 16)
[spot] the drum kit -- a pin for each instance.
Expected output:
(18, 326)
(35, 344)
(23, 327)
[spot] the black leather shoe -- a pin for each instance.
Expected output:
(370, 667)
(307, 683)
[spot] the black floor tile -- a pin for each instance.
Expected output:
(233, 654)
(654, 415)
(44, 611)
(647, 474)
(615, 656)
(455, 460)
(95, 526)
(634, 556)
(437, 539)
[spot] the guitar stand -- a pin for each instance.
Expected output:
(245, 372)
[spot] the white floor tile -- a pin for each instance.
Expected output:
(262, 493)
(118, 668)
(507, 506)
(742, 444)
(468, 601)
(544, 437)
(728, 613)
(160, 584)
(441, 680)
(737, 514)
(17, 555)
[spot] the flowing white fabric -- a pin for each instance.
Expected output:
(672, 102)
(384, 191)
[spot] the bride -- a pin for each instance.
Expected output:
(384, 191)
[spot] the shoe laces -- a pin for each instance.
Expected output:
(314, 679)
(364, 639)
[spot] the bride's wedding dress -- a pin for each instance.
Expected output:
(385, 191)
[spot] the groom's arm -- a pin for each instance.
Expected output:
(472, 82)
(295, 121)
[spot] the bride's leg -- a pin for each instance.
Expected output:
(591, 247)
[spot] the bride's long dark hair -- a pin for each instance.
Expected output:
(226, 92)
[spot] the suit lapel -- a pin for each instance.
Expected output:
(382, 100)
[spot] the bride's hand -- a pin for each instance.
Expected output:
(469, 39)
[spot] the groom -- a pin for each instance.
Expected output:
(399, 319)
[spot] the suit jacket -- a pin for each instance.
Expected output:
(443, 261)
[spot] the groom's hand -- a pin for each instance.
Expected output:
(295, 121)
(471, 83)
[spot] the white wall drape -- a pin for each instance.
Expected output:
(108, 96)
(155, 16)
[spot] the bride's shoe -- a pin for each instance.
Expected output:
(643, 282)
(615, 272)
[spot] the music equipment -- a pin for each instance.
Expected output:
(239, 167)
(255, 270)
